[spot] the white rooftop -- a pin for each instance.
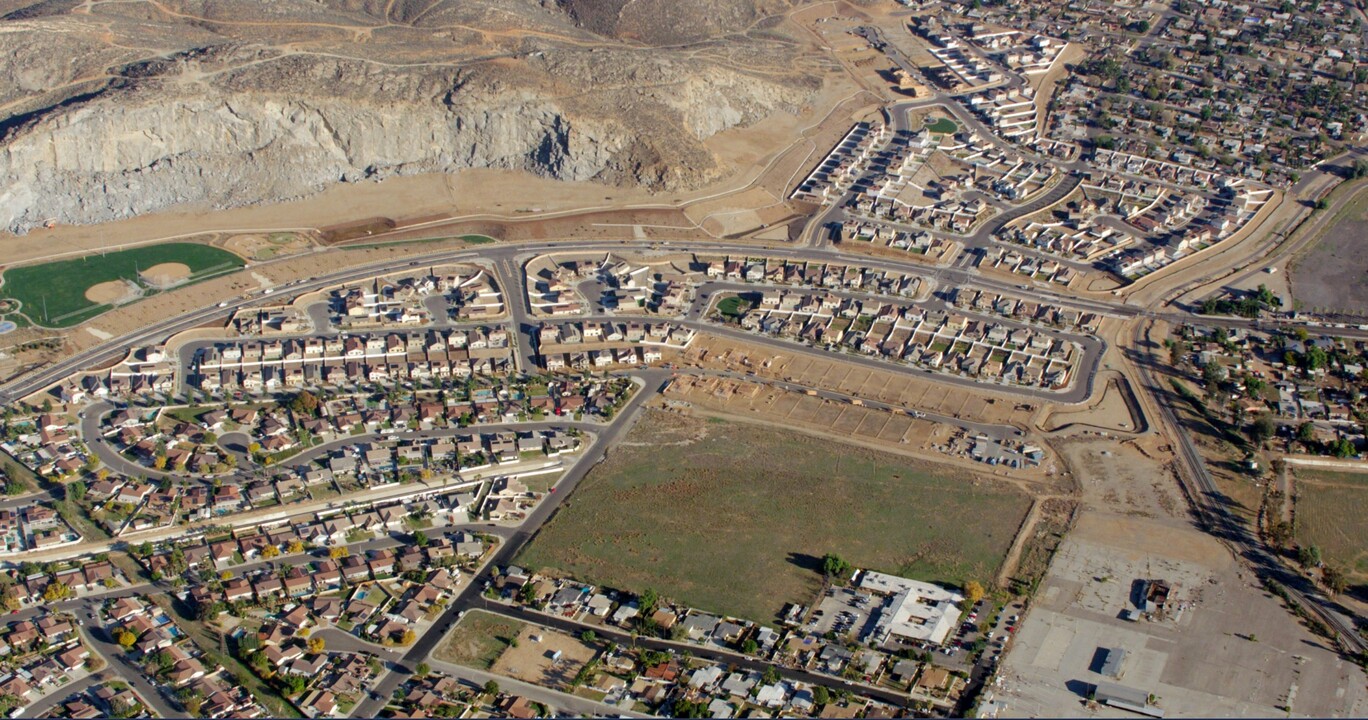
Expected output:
(916, 611)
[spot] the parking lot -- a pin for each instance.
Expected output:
(844, 612)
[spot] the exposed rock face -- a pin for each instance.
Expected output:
(222, 121)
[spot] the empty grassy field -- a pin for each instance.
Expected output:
(1329, 515)
(478, 640)
(53, 294)
(734, 518)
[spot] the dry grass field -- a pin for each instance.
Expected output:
(479, 639)
(1330, 516)
(734, 518)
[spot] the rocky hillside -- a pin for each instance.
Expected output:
(114, 109)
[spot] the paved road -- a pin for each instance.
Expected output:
(560, 704)
(45, 705)
(120, 663)
(1217, 517)
(595, 453)
(706, 652)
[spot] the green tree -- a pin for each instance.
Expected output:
(820, 695)
(1335, 580)
(491, 687)
(770, 676)
(649, 600)
(304, 403)
(1309, 556)
(835, 568)
(423, 669)
(420, 539)
(1261, 430)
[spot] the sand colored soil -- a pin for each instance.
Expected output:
(165, 274)
(112, 292)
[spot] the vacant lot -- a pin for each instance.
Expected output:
(1333, 276)
(54, 294)
(479, 639)
(735, 518)
(533, 659)
(1330, 515)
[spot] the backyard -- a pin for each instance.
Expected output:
(735, 518)
(68, 292)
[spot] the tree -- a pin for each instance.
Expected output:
(820, 695)
(973, 592)
(294, 684)
(1306, 433)
(339, 551)
(296, 546)
(491, 687)
(423, 669)
(56, 591)
(1309, 556)
(1280, 533)
(1335, 579)
(649, 600)
(270, 551)
(588, 636)
(408, 637)
(1261, 430)
(835, 568)
(750, 647)
(75, 491)
(1343, 448)
(1212, 375)
(125, 638)
(420, 539)
(304, 403)
(316, 645)
(771, 675)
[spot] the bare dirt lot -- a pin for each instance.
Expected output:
(862, 382)
(1222, 646)
(532, 658)
(1333, 275)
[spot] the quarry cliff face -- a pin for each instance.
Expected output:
(219, 120)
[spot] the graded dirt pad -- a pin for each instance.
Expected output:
(734, 518)
(872, 384)
(112, 292)
(164, 275)
(1223, 646)
(530, 658)
(1333, 275)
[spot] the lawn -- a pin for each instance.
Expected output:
(53, 293)
(1329, 507)
(478, 640)
(943, 125)
(734, 518)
